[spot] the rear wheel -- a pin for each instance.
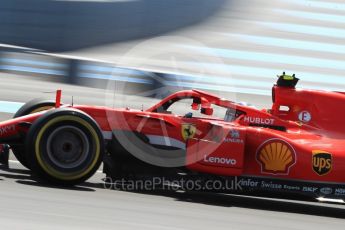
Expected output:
(65, 147)
(33, 106)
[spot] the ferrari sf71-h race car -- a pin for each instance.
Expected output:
(296, 146)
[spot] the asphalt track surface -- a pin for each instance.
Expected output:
(28, 204)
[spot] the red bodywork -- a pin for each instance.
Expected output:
(302, 137)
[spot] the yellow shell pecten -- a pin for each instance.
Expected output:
(276, 157)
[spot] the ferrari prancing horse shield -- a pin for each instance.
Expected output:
(188, 131)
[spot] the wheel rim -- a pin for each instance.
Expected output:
(67, 147)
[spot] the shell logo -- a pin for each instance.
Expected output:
(276, 157)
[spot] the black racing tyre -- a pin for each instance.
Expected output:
(33, 106)
(64, 146)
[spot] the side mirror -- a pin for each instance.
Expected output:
(207, 111)
(195, 106)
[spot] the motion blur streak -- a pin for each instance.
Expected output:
(256, 40)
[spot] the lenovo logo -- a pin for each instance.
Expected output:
(220, 160)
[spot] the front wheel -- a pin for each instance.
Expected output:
(65, 146)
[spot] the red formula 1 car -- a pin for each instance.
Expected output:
(296, 146)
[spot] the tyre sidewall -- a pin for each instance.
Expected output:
(32, 105)
(37, 150)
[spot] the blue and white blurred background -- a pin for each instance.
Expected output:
(255, 40)
(223, 45)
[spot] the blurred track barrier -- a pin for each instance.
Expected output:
(32, 64)
(66, 69)
(95, 73)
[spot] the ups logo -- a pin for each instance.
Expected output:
(322, 162)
